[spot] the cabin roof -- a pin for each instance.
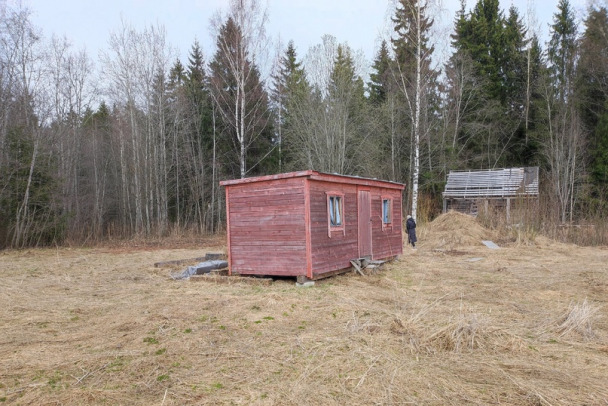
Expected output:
(492, 183)
(319, 176)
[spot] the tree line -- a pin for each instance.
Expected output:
(148, 159)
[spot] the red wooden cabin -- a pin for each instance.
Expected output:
(310, 224)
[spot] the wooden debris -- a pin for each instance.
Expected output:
(357, 266)
(360, 264)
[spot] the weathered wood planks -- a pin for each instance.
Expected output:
(278, 224)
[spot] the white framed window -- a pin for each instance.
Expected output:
(387, 211)
(335, 212)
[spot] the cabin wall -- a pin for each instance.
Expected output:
(387, 242)
(335, 252)
(266, 227)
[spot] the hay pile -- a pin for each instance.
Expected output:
(454, 230)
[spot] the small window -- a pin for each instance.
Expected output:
(335, 212)
(387, 211)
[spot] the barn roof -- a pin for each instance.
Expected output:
(492, 183)
(320, 176)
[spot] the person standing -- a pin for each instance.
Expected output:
(410, 226)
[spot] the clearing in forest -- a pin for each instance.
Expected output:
(451, 323)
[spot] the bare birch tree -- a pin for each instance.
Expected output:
(240, 42)
(328, 130)
(70, 76)
(413, 73)
(135, 67)
(565, 139)
(24, 72)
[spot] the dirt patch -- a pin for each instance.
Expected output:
(520, 325)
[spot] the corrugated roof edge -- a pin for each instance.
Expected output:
(320, 176)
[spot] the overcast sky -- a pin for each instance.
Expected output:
(361, 23)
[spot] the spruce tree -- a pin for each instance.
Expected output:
(197, 92)
(345, 104)
(514, 64)
(600, 156)
(592, 90)
(243, 105)
(386, 113)
(561, 53)
(485, 43)
(534, 125)
(592, 73)
(380, 77)
(290, 87)
(177, 74)
(495, 131)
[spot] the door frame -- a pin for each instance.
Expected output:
(364, 223)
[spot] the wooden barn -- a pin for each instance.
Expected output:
(481, 190)
(310, 224)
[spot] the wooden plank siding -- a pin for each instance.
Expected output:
(267, 219)
(335, 252)
(278, 225)
(388, 241)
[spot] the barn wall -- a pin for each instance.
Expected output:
(386, 243)
(330, 254)
(267, 230)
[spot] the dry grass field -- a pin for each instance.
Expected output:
(451, 323)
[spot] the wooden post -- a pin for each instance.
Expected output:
(508, 210)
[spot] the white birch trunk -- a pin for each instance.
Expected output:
(23, 211)
(213, 176)
(417, 113)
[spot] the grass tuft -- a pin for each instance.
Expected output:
(578, 319)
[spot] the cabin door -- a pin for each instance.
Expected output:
(365, 224)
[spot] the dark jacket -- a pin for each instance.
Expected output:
(410, 226)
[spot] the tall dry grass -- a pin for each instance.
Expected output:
(428, 208)
(530, 219)
(578, 319)
(585, 227)
(104, 326)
